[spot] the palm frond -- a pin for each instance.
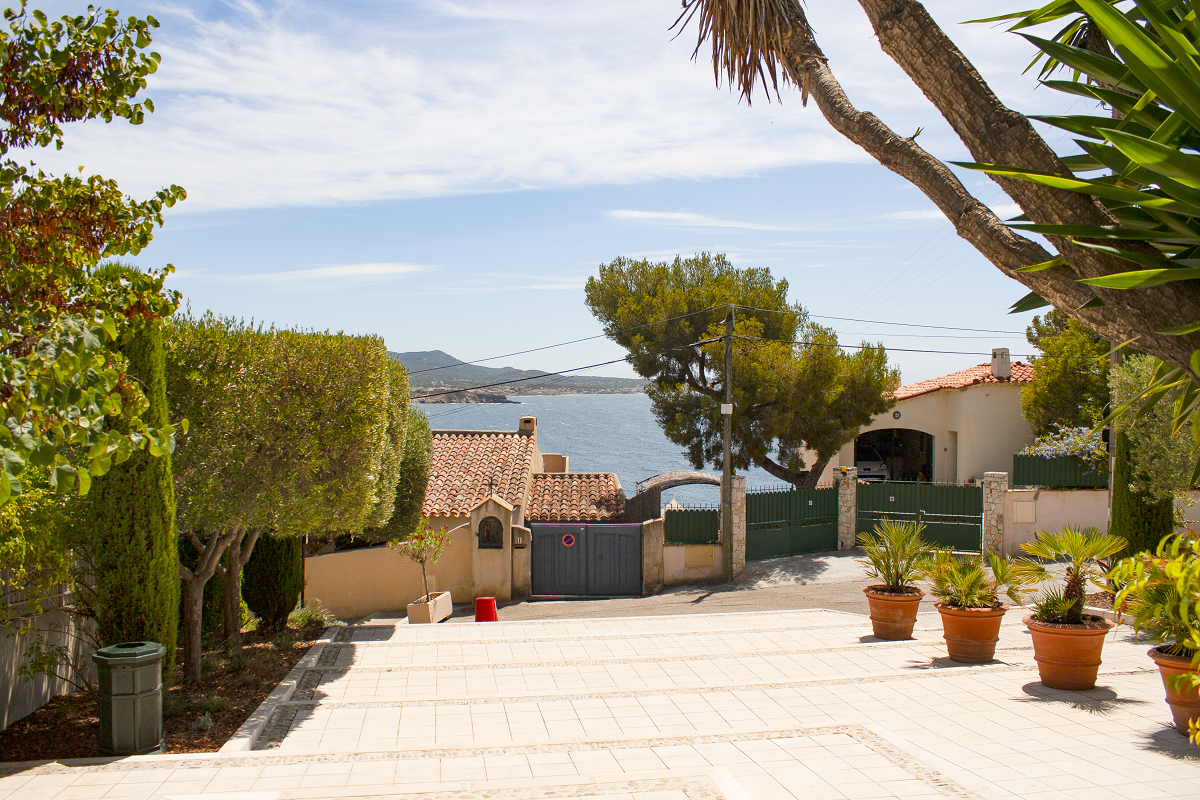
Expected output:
(895, 553)
(749, 39)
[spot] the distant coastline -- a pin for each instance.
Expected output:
(442, 394)
(449, 380)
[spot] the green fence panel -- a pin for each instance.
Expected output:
(692, 526)
(1031, 470)
(790, 522)
(953, 515)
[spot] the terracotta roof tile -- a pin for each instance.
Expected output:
(982, 373)
(575, 496)
(463, 463)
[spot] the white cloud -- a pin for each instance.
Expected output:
(922, 213)
(339, 273)
(280, 104)
(688, 220)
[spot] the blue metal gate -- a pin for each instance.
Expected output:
(574, 559)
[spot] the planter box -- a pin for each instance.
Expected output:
(431, 610)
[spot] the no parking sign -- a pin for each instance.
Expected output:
(568, 540)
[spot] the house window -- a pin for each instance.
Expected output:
(491, 533)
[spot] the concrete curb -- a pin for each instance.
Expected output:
(246, 736)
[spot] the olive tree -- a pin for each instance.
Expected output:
(292, 432)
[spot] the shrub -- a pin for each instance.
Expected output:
(311, 616)
(273, 579)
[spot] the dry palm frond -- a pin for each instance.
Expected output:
(749, 38)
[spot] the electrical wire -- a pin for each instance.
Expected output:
(881, 322)
(564, 344)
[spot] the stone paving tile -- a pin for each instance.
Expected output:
(793, 705)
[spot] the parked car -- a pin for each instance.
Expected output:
(871, 466)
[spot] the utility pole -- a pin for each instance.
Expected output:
(727, 467)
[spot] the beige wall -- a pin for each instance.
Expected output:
(354, 583)
(652, 556)
(692, 563)
(554, 462)
(492, 568)
(1027, 511)
(975, 430)
(522, 574)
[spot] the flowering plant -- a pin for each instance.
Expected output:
(1083, 443)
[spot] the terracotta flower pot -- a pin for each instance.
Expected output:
(893, 614)
(1183, 700)
(1068, 656)
(971, 633)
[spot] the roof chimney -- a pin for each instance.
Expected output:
(529, 424)
(1001, 368)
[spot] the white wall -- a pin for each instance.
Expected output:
(975, 430)
(1027, 511)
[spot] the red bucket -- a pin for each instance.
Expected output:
(485, 609)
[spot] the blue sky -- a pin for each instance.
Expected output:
(448, 174)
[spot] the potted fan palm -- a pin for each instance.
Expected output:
(968, 589)
(1161, 591)
(1067, 642)
(894, 555)
(424, 545)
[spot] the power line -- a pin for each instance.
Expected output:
(881, 322)
(564, 344)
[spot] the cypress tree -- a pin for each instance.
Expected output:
(273, 578)
(131, 519)
(1137, 517)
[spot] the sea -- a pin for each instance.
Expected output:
(598, 433)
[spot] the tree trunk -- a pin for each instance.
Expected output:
(193, 598)
(801, 479)
(994, 134)
(240, 549)
(192, 594)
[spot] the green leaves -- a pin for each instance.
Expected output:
(59, 320)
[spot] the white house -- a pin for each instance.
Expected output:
(949, 429)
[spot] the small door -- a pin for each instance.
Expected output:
(615, 559)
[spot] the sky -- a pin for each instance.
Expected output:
(447, 175)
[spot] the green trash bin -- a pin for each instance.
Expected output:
(130, 695)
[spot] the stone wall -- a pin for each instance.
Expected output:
(652, 556)
(995, 490)
(739, 525)
(846, 481)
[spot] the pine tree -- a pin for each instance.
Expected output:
(1137, 517)
(130, 520)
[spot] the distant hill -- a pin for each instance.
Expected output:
(434, 370)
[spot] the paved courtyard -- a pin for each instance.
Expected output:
(788, 704)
